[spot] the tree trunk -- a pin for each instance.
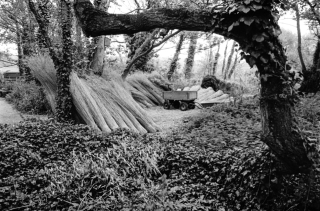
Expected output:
(191, 54)
(26, 50)
(64, 100)
(20, 53)
(224, 59)
(229, 60)
(316, 57)
(99, 53)
(173, 65)
(280, 130)
(311, 78)
(233, 68)
(303, 66)
(216, 59)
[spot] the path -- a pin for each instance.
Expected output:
(169, 119)
(8, 115)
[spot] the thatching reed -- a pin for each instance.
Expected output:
(145, 92)
(43, 69)
(208, 95)
(103, 104)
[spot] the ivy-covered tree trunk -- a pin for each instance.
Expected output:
(27, 39)
(216, 59)
(64, 100)
(62, 65)
(173, 64)
(233, 68)
(229, 60)
(191, 54)
(223, 69)
(254, 26)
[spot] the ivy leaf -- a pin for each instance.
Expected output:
(264, 60)
(264, 77)
(255, 54)
(259, 38)
(247, 1)
(257, 6)
(244, 9)
(230, 27)
(232, 10)
(248, 21)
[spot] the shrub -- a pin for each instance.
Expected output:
(28, 98)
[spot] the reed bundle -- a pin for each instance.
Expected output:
(105, 105)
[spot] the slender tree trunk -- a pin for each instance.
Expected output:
(303, 66)
(20, 54)
(216, 59)
(191, 54)
(233, 66)
(173, 65)
(311, 78)
(224, 59)
(26, 50)
(280, 128)
(99, 53)
(316, 57)
(229, 60)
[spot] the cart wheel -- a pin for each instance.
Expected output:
(183, 106)
(191, 106)
(166, 105)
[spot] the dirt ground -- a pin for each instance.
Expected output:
(165, 119)
(169, 119)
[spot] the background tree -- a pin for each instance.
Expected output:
(191, 54)
(226, 71)
(99, 52)
(224, 58)
(173, 64)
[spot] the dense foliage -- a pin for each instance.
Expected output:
(214, 162)
(28, 98)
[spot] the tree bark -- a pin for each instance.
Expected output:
(303, 66)
(64, 100)
(191, 54)
(316, 57)
(229, 60)
(280, 130)
(216, 59)
(224, 59)
(173, 65)
(233, 68)
(99, 53)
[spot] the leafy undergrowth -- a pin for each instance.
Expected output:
(215, 162)
(28, 98)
